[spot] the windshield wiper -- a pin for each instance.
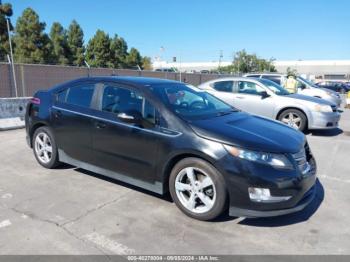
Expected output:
(222, 113)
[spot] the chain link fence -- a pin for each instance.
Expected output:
(31, 78)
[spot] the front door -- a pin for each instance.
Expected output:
(248, 97)
(124, 148)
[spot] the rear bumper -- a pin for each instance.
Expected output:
(324, 120)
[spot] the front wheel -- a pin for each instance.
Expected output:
(294, 118)
(198, 189)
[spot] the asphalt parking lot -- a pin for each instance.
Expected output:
(71, 211)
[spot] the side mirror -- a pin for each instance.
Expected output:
(264, 94)
(131, 117)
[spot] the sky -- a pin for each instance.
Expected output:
(199, 30)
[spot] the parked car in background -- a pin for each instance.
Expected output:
(170, 70)
(165, 136)
(266, 98)
(305, 87)
(336, 86)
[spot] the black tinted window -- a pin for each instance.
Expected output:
(121, 100)
(80, 95)
(223, 86)
(62, 96)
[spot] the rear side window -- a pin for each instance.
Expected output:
(80, 95)
(223, 86)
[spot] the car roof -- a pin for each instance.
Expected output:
(234, 78)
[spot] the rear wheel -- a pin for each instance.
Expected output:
(44, 147)
(198, 189)
(293, 118)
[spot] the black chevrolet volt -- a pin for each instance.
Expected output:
(167, 136)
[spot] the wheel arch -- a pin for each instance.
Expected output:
(33, 129)
(281, 110)
(173, 160)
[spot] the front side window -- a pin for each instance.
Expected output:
(121, 100)
(277, 89)
(223, 86)
(249, 88)
(79, 95)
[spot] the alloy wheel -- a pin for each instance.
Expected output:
(43, 147)
(195, 190)
(292, 120)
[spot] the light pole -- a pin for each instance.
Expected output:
(11, 54)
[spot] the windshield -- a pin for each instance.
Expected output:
(191, 103)
(308, 82)
(277, 89)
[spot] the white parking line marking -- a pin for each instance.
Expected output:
(335, 178)
(7, 195)
(109, 244)
(5, 223)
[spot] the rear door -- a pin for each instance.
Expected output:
(247, 97)
(124, 148)
(71, 120)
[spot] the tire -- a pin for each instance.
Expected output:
(42, 149)
(213, 192)
(297, 114)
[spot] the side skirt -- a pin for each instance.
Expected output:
(157, 187)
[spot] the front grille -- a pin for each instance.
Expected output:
(301, 159)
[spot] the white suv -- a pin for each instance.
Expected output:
(305, 87)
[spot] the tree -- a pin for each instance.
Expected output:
(98, 51)
(58, 38)
(146, 63)
(32, 44)
(5, 12)
(133, 58)
(119, 51)
(245, 63)
(75, 42)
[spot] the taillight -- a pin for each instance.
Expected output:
(35, 100)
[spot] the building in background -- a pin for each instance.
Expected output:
(312, 69)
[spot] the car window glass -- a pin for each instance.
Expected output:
(80, 95)
(62, 96)
(249, 88)
(121, 100)
(276, 79)
(223, 86)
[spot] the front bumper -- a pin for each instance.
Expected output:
(324, 120)
(242, 174)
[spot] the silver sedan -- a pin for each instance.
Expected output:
(266, 98)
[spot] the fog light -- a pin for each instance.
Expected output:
(259, 194)
(263, 195)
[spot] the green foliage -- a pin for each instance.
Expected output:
(98, 51)
(5, 11)
(146, 63)
(246, 63)
(32, 44)
(75, 42)
(58, 38)
(133, 58)
(119, 51)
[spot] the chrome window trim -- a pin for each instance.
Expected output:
(176, 134)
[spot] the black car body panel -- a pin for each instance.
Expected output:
(98, 141)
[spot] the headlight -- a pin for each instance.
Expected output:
(275, 160)
(323, 108)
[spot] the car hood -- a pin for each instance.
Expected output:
(312, 99)
(250, 132)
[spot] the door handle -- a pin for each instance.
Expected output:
(240, 97)
(57, 114)
(100, 125)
